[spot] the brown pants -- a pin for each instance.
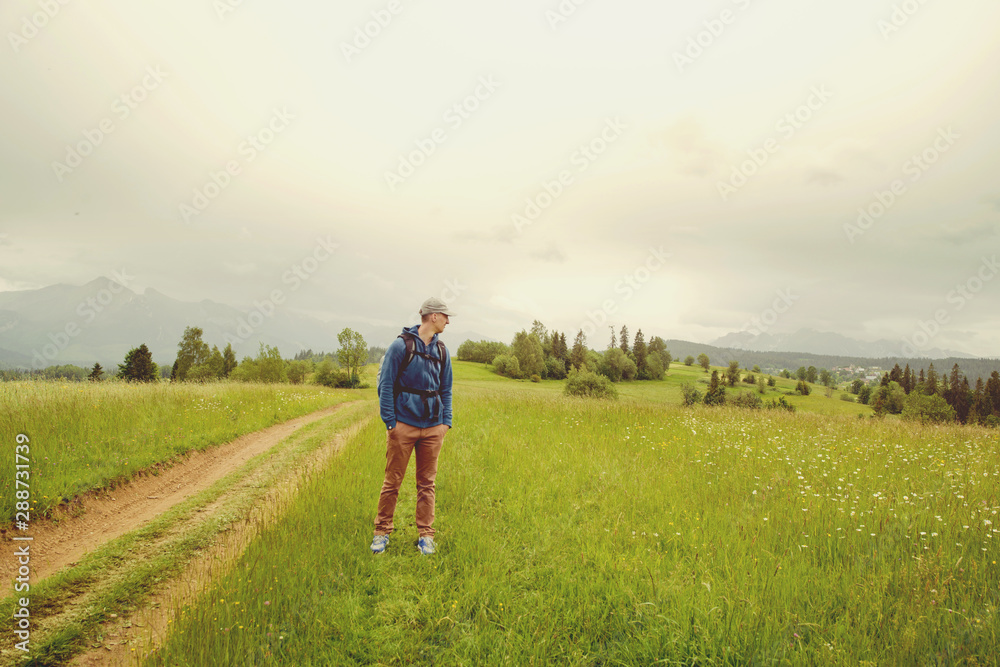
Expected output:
(400, 442)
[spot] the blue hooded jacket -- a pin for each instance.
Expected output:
(420, 374)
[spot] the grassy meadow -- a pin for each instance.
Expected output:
(629, 532)
(668, 391)
(93, 435)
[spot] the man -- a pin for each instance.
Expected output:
(415, 399)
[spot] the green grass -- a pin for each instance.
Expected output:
(630, 532)
(69, 607)
(86, 436)
(668, 390)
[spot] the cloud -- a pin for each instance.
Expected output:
(688, 145)
(822, 176)
(240, 268)
(551, 253)
(495, 234)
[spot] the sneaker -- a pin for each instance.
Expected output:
(426, 545)
(379, 543)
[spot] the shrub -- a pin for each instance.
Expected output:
(889, 399)
(690, 394)
(200, 373)
(535, 377)
(297, 371)
(802, 388)
(654, 367)
(324, 373)
(748, 399)
(527, 349)
(590, 384)
(847, 397)
(615, 366)
(484, 351)
(781, 404)
(507, 365)
(716, 394)
(555, 368)
(927, 409)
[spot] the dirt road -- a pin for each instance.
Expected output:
(108, 515)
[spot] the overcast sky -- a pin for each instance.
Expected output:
(679, 167)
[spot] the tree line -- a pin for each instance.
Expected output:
(933, 398)
(197, 362)
(542, 354)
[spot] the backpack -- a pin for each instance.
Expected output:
(397, 386)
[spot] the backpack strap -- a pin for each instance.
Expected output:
(441, 352)
(397, 385)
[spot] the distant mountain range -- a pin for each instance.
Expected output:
(826, 343)
(102, 320)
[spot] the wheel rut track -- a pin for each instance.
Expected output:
(109, 514)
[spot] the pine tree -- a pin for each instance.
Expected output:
(733, 373)
(623, 343)
(981, 407)
(953, 387)
(229, 363)
(931, 384)
(578, 357)
(559, 348)
(963, 400)
(640, 351)
(993, 392)
(716, 394)
(96, 373)
(614, 341)
(139, 366)
(896, 375)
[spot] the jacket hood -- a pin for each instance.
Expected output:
(415, 330)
